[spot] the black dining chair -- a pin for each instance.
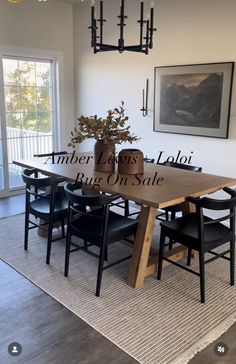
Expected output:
(169, 212)
(45, 200)
(51, 154)
(90, 219)
(199, 232)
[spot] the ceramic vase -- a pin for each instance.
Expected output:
(104, 156)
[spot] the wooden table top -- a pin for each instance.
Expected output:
(172, 187)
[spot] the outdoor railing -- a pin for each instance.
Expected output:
(24, 143)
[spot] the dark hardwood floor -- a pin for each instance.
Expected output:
(48, 332)
(208, 355)
(12, 205)
(51, 334)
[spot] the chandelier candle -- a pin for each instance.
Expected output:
(145, 42)
(93, 26)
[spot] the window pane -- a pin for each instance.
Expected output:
(29, 121)
(44, 122)
(29, 144)
(43, 74)
(28, 99)
(43, 99)
(27, 73)
(44, 143)
(10, 71)
(14, 149)
(13, 121)
(12, 98)
(29, 112)
(15, 179)
(1, 168)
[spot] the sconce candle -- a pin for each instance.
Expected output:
(145, 100)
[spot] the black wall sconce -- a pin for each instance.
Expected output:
(145, 100)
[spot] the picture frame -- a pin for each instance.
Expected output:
(193, 99)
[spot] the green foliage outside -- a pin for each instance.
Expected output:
(27, 94)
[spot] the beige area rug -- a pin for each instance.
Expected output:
(160, 323)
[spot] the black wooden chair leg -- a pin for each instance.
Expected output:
(27, 201)
(232, 262)
(48, 256)
(63, 228)
(49, 243)
(42, 192)
(161, 254)
(171, 241)
(167, 215)
(100, 269)
(202, 276)
(189, 257)
(126, 208)
(171, 244)
(67, 255)
(26, 231)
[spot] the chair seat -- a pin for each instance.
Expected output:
(185, 231)
(90, 228)
(41, 207)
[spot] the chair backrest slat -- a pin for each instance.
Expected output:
(148, 160)
(37, 182)
(37, 194)
(227, 205)
(50, 154)
(224, 218)
(75, 194)
(183, 166)
(79, 203)
(214, 204)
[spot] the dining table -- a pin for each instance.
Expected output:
(158, 187)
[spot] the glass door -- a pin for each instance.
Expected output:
(1, 159)
(28, 120)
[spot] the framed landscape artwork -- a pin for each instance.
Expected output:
(193, 99)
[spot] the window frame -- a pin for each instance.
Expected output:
(29, 54)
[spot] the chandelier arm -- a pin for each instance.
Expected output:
(101, 49)
(111, 46)
(135, 48)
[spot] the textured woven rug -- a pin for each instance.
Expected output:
(160, 323)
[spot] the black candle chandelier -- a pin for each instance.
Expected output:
(146, 29)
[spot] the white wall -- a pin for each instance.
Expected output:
(189, 32)
(42, 27)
